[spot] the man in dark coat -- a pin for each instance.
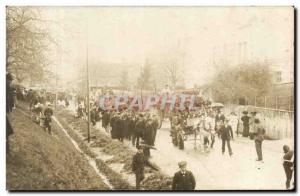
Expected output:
(138, 164)
(288, 164)
(183, 179)
(125, 119)
(113, 125)
(139, 129)
(120, 127)
(148, 136)
(226, 134)
(259, 133)
(105, 119)
(131, 127)
(245, 119)
(48, 112)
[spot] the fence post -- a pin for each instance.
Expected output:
(255, 101)
(276, 106)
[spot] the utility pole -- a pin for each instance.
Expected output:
(88, 81)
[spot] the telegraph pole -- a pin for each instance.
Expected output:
(88, 82)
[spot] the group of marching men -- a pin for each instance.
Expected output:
(124, 124)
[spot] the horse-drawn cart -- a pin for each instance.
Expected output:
(190, 130)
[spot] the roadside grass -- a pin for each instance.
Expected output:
(39, 161)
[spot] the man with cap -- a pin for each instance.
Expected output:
(183, 179)
(288, 164)
(138, 164)
(245, 119)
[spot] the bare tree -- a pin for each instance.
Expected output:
(145, 79)
(172, 73)
(27, 44)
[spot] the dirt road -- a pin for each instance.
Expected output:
(216, 171)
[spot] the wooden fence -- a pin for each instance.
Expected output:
(279, 124)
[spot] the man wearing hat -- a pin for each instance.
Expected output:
(183, 179)
(245, 119)
(226, 135)
(138, 164)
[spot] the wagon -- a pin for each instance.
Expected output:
(181, 134)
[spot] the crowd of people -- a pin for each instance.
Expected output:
(140, 127)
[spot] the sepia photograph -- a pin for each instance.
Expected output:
(163, 98)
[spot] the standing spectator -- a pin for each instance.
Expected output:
(183, 179)
(226, 135)
(138, 164)
(245, 119)
(288, 164)
(259, 133)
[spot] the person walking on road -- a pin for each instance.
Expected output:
(226, 135)
(138, 164)
(183, 179)
(259, 133)
(288, 164)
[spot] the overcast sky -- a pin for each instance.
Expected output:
(133, 34)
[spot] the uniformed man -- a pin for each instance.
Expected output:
(138, 164)
(183, 179)
(288, 164)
